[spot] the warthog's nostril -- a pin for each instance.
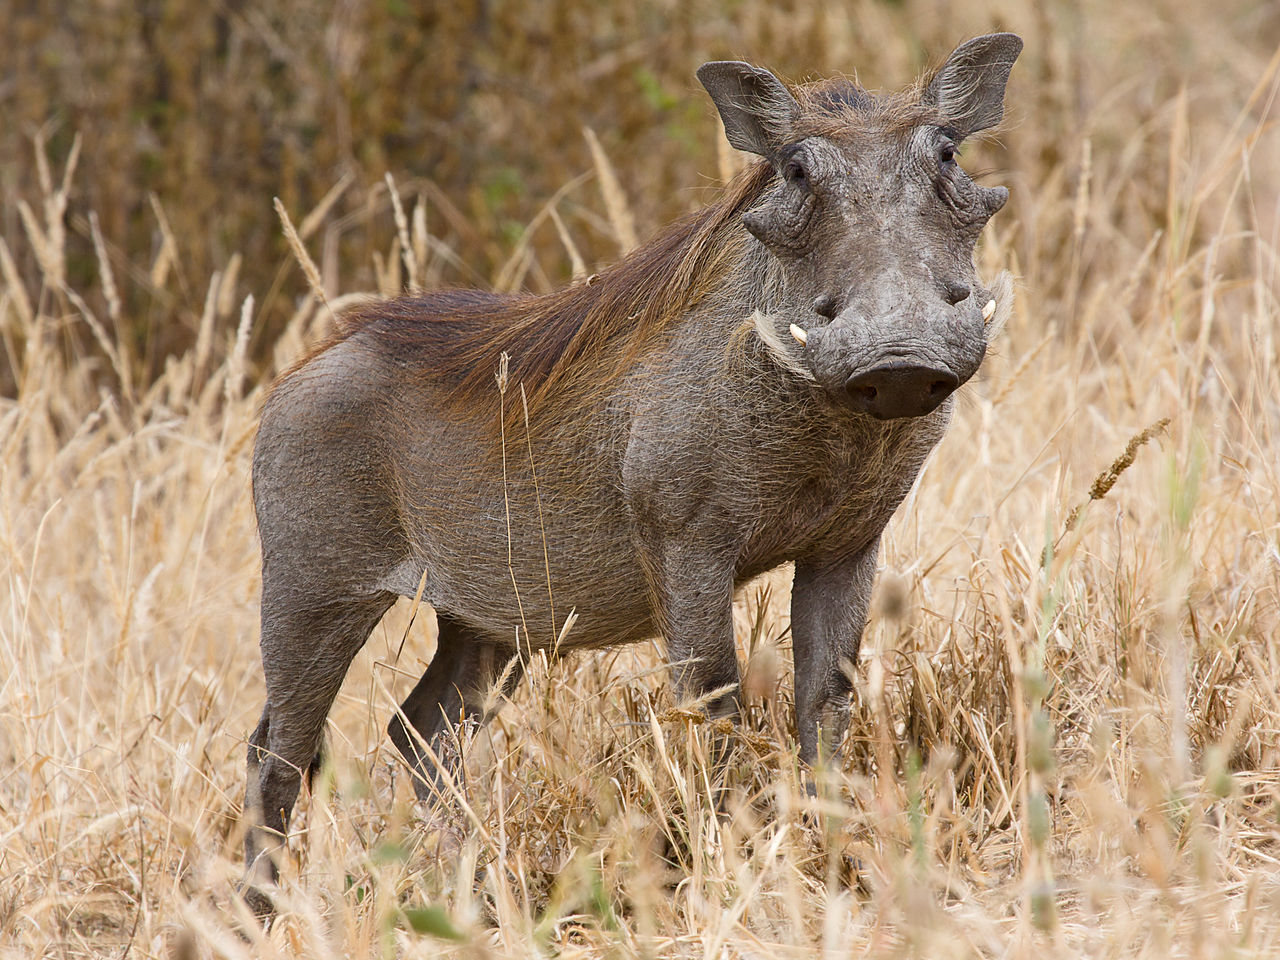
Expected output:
(863, 396)
(953, 293)
(894, 391)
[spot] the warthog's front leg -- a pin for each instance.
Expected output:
(693, 599)
(828, 612)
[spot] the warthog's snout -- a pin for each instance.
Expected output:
(900, 390)
(868, 366)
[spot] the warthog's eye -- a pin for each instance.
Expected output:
(794, 173)
(947, 155)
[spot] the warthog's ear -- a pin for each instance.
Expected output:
(968, 90)
(757, 109)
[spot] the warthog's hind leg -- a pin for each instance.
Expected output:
(306, 650)
(451, 694)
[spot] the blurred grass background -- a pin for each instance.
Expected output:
(1075, 757)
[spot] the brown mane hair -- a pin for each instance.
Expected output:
(563, 343)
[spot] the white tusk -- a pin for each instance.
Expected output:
(798, 332)
(988, 311)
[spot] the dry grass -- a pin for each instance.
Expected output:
(1067, 727)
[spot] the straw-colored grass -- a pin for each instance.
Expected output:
(1066, 733)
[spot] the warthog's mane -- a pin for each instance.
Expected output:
(563, 346)
(839, 106)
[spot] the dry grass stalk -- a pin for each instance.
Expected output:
(1103, 482)
(46, 253)
(109, 290)
(204, 333)
(312, 221)
(239, 352)
(421, 240)
(615, 201)
(167, 256)
(227, 289)
(100, 335)
(402, 231)
(300, 252)
(13, 286)
(579, 266)
(1020, 370)
(513, 271)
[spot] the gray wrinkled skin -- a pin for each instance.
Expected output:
(726, 449)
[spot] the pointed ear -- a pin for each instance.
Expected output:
(757, 109)
(968, 90)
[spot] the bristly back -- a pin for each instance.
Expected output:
(563, 343)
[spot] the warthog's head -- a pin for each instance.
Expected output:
(872, 223)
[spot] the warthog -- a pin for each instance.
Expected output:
(759, 384)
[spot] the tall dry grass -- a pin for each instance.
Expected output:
(1066, 733)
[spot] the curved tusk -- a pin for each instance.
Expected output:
(988, 311)
(799, 333)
